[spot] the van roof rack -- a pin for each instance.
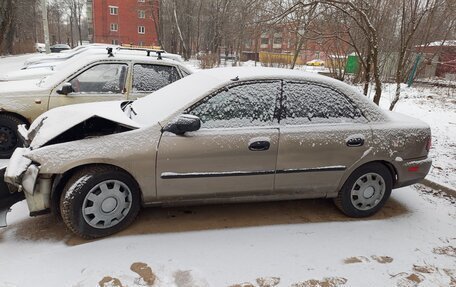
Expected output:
(148, 49)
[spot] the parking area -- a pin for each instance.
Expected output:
(411, 242)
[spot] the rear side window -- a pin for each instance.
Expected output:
(243, 105)
(307, 103)
(148, 78)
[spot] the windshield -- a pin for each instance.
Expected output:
(65, 69)
(169, 99)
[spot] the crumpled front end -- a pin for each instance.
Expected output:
(24, 180)
(8, 197)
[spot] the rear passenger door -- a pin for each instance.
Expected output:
(322, 134)
(148, 78)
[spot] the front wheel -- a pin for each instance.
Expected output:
(99, 201)
(9, 138)
(365, 191)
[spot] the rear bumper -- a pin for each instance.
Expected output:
(7, 198)
(412, 171)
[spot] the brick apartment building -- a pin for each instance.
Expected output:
(281, 40)
(123, 21)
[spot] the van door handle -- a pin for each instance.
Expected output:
(259, 145)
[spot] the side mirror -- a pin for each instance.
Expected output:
(182, 124)
(66, 89)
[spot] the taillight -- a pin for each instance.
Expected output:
(429, 144)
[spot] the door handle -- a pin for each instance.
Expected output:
(354, 142)
(259, 145)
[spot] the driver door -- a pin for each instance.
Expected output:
(233, 154)
(101, 82)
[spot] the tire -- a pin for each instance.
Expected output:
(9, 138)
(98, 201)
(366, 190)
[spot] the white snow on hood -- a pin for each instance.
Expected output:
(20, 86)
(59, 120)
(37, 73)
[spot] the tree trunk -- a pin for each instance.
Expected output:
(396, 96)
(6, 25)
(71, 31)
(378, 82)
(367, 74)
(297, 50)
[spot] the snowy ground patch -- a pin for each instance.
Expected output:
(411, 242)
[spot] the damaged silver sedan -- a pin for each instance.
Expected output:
(221, 135)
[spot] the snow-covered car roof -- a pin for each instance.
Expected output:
(177, 96)
(66, 56)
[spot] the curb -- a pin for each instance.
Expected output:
(434, 185)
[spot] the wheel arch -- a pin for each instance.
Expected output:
(387, 164)
(19, 116)
(59, 181)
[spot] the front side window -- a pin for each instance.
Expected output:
(248, 104)
(308, 103)
(101, 79)
(148, 78)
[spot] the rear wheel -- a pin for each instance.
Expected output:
(365, 191)
(9, 139)
(98, 201)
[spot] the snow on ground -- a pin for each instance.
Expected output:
(195, 64)
(411, 242)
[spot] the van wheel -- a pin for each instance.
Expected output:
(365, 191)
(99, 201)
(9, 138)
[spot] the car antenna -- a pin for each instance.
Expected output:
(159, 55)
(109, 49)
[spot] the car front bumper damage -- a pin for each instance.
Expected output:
(7, 198)
(22, 179)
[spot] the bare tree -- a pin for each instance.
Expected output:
(410, 18)
(7, 12)
(75, 11)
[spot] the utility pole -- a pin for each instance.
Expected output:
(45, 26)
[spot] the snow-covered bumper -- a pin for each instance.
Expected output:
(7, 198)
(411, 171)
(24, 175)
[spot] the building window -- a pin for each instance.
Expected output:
(114, 27)
(141, 14)
(141, 43)
(113, 10)
(141, 30)
(142, 1)
(264, 41)
(115, 42)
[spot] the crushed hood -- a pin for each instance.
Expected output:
(56, 121)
